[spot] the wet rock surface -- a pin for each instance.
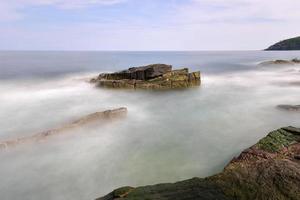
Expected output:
(139, 73)
(94, 118)
(281, 62)
(191, 189)
(156, 76)
(269, 170)
(289, 107)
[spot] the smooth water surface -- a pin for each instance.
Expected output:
(167, 136)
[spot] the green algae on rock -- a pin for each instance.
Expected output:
(195, 188)
(156, 76)
(269, 170)
(266, 171)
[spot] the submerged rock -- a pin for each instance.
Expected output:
(268, 170)
(94, 118)
(156, 76)
(296, 60)
(289, 107)
(281, 62)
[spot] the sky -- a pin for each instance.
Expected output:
(146, 24)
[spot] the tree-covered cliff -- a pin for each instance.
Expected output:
(289, 44)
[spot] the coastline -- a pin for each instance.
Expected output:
(268, 170)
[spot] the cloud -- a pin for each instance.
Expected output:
(12, 9)
(153, 25)
(74, 4)
(8, 11)
(227, 11)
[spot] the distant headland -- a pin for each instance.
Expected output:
(286, 45)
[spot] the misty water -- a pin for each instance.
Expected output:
(167, 136)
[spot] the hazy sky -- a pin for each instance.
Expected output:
(146, 24)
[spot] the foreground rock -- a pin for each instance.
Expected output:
(269, 170)
(95, 118)
(156, 76)
(289, 107)
(285, 45)
(281, 62)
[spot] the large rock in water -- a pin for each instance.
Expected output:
(139, 73)
(269, 170)
(156, 76)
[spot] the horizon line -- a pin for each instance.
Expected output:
(78, 50)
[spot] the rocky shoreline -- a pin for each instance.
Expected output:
(155, 76)
(269, 170)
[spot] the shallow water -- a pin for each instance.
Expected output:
(167, 136)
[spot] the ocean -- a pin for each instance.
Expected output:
(167, 136)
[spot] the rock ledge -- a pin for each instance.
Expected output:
(269, 170)
(91, 119)
(156, 76)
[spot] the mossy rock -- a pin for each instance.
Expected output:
(268, 170)
(163, 79)
(276, 140)
(123, 191)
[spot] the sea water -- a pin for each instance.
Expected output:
(167, 136)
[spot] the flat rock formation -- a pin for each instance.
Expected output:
(289, 107)
(94, 118)
(156, 76)
(281, 62)
(269, 170)
(285, 45)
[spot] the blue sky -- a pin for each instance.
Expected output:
(146, 24)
